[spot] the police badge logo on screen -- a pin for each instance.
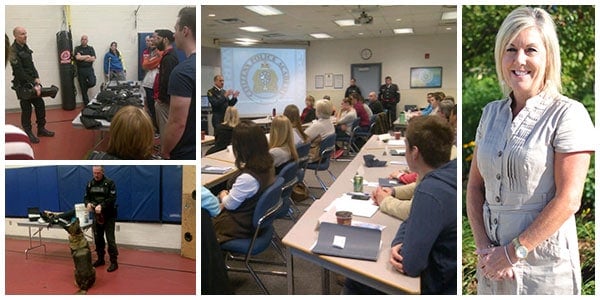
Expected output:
(264, 78)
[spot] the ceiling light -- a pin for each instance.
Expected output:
(253, 29)
(347, 22)
(211, 15)
(264, 10)
(247, 40)
(448, 28)
(321, 35)
(403, 30)
(244, 43)
(449, 15)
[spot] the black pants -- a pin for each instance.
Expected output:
(151, 109)
(391, 108)
(86, 79)
(100, 230)
(40, 113)
(217, 118)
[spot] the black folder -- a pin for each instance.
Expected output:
(361, 243)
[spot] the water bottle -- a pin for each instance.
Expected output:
(358, 183)
(274, 112)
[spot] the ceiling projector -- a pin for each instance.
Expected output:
(363, 19)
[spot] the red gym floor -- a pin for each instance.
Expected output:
(141, 272)
(68, 143)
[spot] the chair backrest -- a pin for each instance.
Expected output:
(327, 147)
(381, 125)
(289, 173)
(303, 150)
(268, 205)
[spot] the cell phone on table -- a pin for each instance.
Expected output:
(360, 196)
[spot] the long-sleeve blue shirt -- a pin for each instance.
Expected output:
(115, 61)
(428, 236)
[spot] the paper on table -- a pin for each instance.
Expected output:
(393, 142)
(359, 208)
(215, 170)
(384, 137)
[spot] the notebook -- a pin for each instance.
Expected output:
(34, 213)
(358, 242)
(215, 170)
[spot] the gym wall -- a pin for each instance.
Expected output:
(144, 193)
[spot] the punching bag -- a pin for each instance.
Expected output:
(64, 45)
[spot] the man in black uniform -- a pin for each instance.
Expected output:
(389, 95)
(100, 197)
(25, 74)
(85, 57)
(352, 88)
(219, 100)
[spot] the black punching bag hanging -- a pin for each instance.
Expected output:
(64, 45)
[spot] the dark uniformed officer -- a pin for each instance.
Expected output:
(85, 57)
(25, 74)
(219, 100)
(353, 88)
(389, 95)
(100, 197)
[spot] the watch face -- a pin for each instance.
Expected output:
(521, 252)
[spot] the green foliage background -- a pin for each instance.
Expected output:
(575, 28)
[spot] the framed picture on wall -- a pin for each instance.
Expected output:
(338, 81)
(329, 79)
(426, 77)
(319, 81)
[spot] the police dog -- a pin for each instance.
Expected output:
(85, 274)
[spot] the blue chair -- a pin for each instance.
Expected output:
(347, 140)
(326, 148)
(269, 204)
(289, 173)
(360, 133)
(303, 151)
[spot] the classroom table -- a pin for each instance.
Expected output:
(378, 274)
(39, 226)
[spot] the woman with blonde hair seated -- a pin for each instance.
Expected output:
(224, 130)
(131, 136)
(281, 142)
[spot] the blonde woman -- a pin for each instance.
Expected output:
(281, 142)
(224, 130)
(293, 114)
(131, 135)
(529, 167)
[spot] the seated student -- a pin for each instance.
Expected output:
(293, 114)
(365, 120)
(224, 130)
(210, 202)
(320, 129)
(346, 117)
(445, 108)
(256, 173)
(308, 113)
(396, 202)
(281, 142)
(131, 136)
(425, 244)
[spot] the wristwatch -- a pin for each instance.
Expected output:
(520, 250)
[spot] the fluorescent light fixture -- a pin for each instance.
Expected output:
(211, 15)
(264, 10)
(343, 23)
(449, 15)
(403, 30)
(244, 43)
(320, 35)
(253, 29)
(247, 40)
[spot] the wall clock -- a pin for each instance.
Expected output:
(366, 53)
